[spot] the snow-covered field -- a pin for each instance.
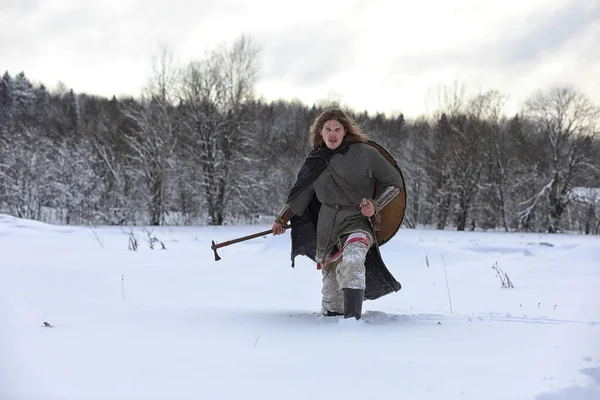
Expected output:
(175, 324)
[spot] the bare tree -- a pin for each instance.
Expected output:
(439, 171)
(153, 137)
(75, 191)
(487, 109)
(110, 134)
(465, 158)
(217, 93)
(24, 174)
(165, 76)
(567, 122)
(450, 100)
(505, 170)
(587, 205)
(448, 104)
(151, 145)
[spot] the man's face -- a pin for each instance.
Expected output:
(333, 133)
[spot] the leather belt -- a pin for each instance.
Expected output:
(342, 207)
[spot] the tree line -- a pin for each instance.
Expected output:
(198, 147)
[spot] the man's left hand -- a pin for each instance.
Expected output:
(367, 208)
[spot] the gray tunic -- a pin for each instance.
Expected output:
(347, 180)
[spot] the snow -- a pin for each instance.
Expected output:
(176, 324)
(586, 194)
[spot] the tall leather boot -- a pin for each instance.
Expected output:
(353, 299)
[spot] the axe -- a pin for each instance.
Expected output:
(215, 246)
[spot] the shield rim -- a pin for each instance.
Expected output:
(403, 193)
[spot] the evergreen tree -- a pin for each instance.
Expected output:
(73, 116)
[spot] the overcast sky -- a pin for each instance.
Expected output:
(380, 55)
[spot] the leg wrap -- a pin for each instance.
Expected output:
(351, 270)
(333, 297)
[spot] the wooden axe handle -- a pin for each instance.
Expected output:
(215, 246)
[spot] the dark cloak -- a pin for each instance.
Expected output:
(379, 280)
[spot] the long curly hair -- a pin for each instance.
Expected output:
(353, 131)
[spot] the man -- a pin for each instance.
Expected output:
(336, 184)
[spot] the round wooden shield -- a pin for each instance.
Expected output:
(392, 214)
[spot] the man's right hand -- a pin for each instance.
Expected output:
(277, 228)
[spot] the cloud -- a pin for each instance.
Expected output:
(378, 55)
(309, 55)
(519, 44)
(548, 33)
(518, 54)
(16, 7)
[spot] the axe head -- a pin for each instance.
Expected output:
(214, 248)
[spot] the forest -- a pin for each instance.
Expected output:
(198, 147)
